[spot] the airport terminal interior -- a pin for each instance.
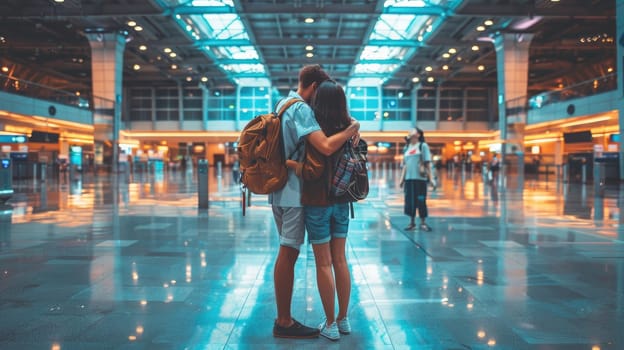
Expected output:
(123, 223)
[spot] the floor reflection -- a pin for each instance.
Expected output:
(130, 262)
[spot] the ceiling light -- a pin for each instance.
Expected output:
(173, 54)
(5, 69)
(138, 28)
(428, 68)
(430, 79)
(309, 54)
(475, 48)
(481, 67)
(446, 55)
(480, 28)
(142, 47)
(488, 22)
(59, 1)
(136, 67)
(189, 79)
(174, 66)
(309, 20)
(204, 79)
(452, 50)
(445, 67)
(167, 50)
(132, 23)
(309, 48)
(415, 79)
(77, 93)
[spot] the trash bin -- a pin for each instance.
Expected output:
(202, 183)
(6, 180)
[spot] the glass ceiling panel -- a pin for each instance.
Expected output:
(244, 68)
(399, 27)
(220, 29)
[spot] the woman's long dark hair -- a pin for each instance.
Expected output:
(330, 108)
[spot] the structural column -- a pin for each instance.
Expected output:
(619, 15)
(512, 63)
(107, 50)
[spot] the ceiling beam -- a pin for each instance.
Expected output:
(481, 10)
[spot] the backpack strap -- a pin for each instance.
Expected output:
(287, 105)
(281, 112)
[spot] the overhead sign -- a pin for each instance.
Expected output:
(13, 138)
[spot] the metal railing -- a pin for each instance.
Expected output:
(586, 88)
(35, 90)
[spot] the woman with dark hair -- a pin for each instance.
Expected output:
(326, 218)
(416, 158)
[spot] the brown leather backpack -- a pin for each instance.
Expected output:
(261, 152)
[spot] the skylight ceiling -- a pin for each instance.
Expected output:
(400, 24)
(222, 28)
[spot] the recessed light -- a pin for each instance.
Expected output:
(488, 22)
(445, 67)
(430, 79)
(136, 67)
(309, 54)
(173, 54)
(167, 50)
(452, 50)
(415, 79)
(138, 28)
(480, 28)
(204, 79)
(5, 69)
(132, 23)
(428, 68)
(475, 48)
(59, 1)
(309, 20)
(309, 48)
(481, 67)
(142, 47)
(174, 66)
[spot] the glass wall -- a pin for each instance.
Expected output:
(140, 104)
(363, 102)
(396, 104)
(254, 101)
(222, 104)
(192, 101)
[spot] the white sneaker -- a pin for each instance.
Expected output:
(344, 327)
(330, 332)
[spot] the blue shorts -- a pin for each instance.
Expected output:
(325, 223)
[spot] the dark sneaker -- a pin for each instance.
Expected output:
(296, 330)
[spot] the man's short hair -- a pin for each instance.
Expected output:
(312, 74)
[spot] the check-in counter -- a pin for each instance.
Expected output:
(6, 180)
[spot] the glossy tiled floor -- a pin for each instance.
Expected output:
(131, 263)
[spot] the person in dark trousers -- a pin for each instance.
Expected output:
(414, 181)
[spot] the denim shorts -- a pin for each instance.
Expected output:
(325, 223)
(290, 225)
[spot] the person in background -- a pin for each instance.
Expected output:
(494, 169)
(298, 124)
(327, 218)
(413, 182)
